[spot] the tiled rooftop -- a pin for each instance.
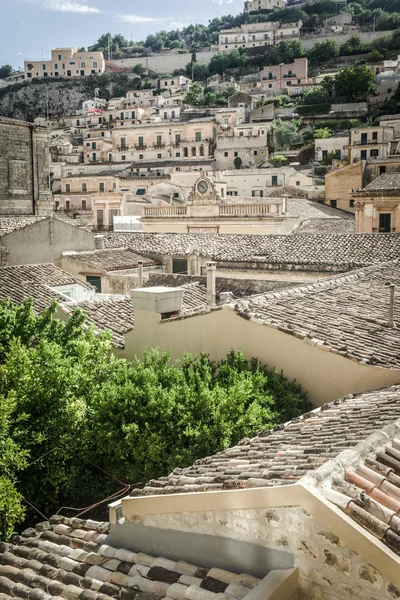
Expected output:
(9, 224)
(370, 494)
(8, 121)
(287, 453)
(329, 226)
(70, 559)
(384, 183)
(344, 251)
(114, 314)
(112, 260)
(346, 314)
(309, 209)
(24, 281)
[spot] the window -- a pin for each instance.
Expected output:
(93, 145)
(257, 193)
(123, 157)
(44, 74)
(364, 138)
(56, 67)
(141, 156)
(255, 152)
(274, 181)
(95, 281)
(159, 140)
(178, 155)
(374, 135)
(83, 65)
(198, 136)
(178, 138)
(226, 154)
(235, 154)
(59, 57)
(159, 155)
(84, 188)
(68, 73)
(382, 170)
(101, 187)
(333, 203)
(68, 188)
(72, 63)
(165, 115)
(180, 266)
(351, 203)
(270, 85)
(100, 219)
(385, 222)
(110, 157)
(140, 192)
(83, 204)
(67, 205)
(141, 142)
(363, 155)
(44, 67)
(29, 74)
(123, 142)
(374, 153)
(56, 74)
(133, 115)
(95, 64)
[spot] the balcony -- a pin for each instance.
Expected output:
(366, 143)
(290, 76)
(123, 148)
(158, 146)
(144, 147)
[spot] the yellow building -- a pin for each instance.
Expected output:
(66, 62)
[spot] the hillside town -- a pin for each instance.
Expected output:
(199, 310)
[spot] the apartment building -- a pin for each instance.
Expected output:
(191, 140)
(337, 145)
(66, 62)
(256, 5)
(289, 78)
(247, 142)
(370, 143)
(251, 35)
(174, 84)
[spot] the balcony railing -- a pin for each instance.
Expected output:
(166, 211)
(242, 210)
(141, 147)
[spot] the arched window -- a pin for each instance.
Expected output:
(185, 152)
(201, 150)
(194, 153)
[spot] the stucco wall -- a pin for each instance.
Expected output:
(328, 569)
(339, 183)
(44, 241)
(325, 375)
(165, 63)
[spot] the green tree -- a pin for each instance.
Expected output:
(277, 161)
(78, 411)
(195, 96)
(322, 133)
(287, 135)
(354, 83)
(138, 69)
(5, 71)
(323, 51)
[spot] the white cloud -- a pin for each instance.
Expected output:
(222, 2)
(67, 6)
(137, 19)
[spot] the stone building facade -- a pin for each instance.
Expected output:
(24, 169)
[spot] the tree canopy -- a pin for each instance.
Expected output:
(77, 424)
(5, 71)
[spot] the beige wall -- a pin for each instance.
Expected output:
(333, 144)
(368, 210)
(339, 183)
(325, 375)
(66, 62)
(283, 76)
(376, 145)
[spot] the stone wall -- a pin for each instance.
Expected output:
(365, 37)
(165, 63)
(328, 569)
(238, 287)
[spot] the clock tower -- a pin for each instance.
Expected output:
(204, 192)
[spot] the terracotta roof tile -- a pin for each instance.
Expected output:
(113, 260)
(9, 224)
(57, 559)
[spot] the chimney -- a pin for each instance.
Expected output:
(140, 273)
(165, 301)
(211, 282)
(99, 242)
(391, 305)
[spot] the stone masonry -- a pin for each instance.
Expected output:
(328, 569)
(24, 169)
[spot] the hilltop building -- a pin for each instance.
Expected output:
(256, 5)
(66, 62)
(252, 35)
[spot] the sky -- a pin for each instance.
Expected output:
(31, 28)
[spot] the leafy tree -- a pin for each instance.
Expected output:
(195, 96)
(287, 135)
(78, 411)
(323, 51)
(284, 52)
(354, 83)
(322, 133)
(315, 95)
(5, 71)
(138, 69)
(277, 161)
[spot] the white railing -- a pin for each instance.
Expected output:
(165, 211)
(236, 210)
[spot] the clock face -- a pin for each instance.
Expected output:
(202, 187)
